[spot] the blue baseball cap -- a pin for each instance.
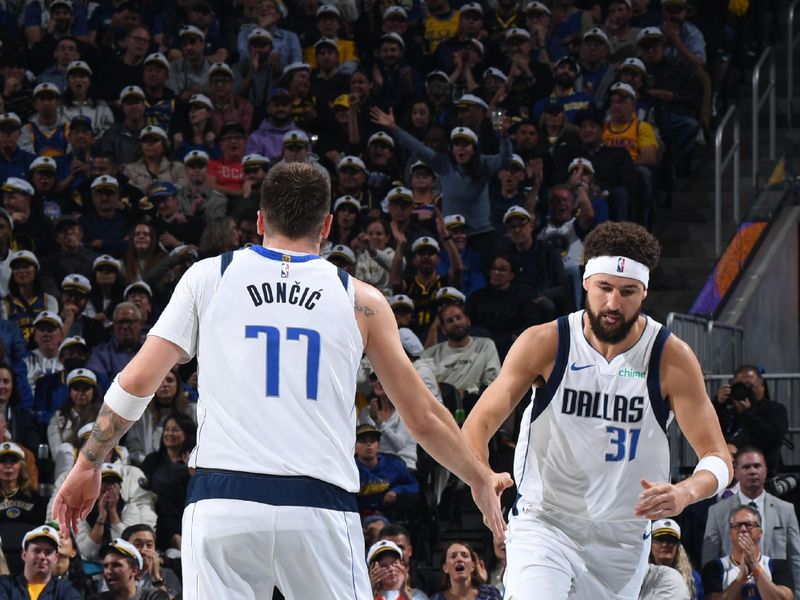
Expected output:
(162, 190)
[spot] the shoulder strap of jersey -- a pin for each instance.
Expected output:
(657, 401)
(225, 261)
(344, 277)
(545, 393)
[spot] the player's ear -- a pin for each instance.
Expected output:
(584, 283)
(326, 226)
(260, 223)
(644, 295)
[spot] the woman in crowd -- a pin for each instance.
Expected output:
(374, 255)
(16, 421)
(69, 564)
(153, 163)
(464, 173)
(198, 130)
(346, 227)
(145, 435)
(143, 252)
(219, 235)
(21, 502)
(79, 98)
(107, 287)
(464, 576)
(26, 297)
(168, 474)
(668, 551)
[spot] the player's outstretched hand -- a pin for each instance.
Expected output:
(77, 496)
(487, 497)
(661, 500)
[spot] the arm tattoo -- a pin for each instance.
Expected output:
(366, 310)
(108, 428)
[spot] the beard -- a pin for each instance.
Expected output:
(457, 335)
(614, 334)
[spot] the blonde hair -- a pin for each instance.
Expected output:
(682, 565)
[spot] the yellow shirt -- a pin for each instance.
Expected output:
(437, 30)
(633, 137)
(35, 589)
(347, 51)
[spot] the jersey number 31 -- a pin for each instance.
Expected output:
(619, 446)
(293, 334)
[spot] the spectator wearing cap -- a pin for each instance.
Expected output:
(328, 79)
(72, 256)
(546, 45)
(570, 21)
(539, 265)
(387, 486)
(394, 19)
(42, 177)
(528, 78)
(506, 15)
(492, 82)
(104, 229)
(47, 337)
(26, 298)
(73, 166)
(296, 79)
(624, 130)
(455, 227)
(107, 286)
(196, 198)
(17, 90)
(267, 138)
(556, 130)
(285, 42)
(80, 408)
(21, 502)
(423, 280)
(473, 113)
(297, 148)
(196, 132)
(466, 362)
(6, 253)
(504, 307)
(76, 312)
(666, 550)
(613, 167)
(154, 575)
(388, 573)
(121, 140)
(403, 309)
(253, 73)
(104, 163)
(154, 162)
(342, 257)
(31, 229)
(328, 26)
(459, 55)
(65, 51)
(189, 74)
(14, 160)
(426, 196)
(465, 175)
(200, 14)
(174, 228)
(382, 163)
(438, 91)
(441, 23)
(686, 45)
(351, 180)
(341, 135)
(596, 72)
(633, 72)
(255, 169)
(374, 254)
(39, 556)
(51, 391)
(141, 294)
(122, 564)
(565, 73)
(159, 98)
(346, 227)
(621, 35)
(108, 359)
(45, 132)
(80, 98)
(673, 93)
(396, 83)
(227, 105)
(511, 193)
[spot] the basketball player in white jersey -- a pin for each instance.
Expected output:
(592, 459)
(278, 334)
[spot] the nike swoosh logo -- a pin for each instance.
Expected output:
(575, 367)
(646, 535)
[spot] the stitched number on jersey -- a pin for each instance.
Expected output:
(618, 441)
(293, 334)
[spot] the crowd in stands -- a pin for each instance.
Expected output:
(470, 146)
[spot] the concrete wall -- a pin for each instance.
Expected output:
(766, 302)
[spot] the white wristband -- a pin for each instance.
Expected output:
(717, 467)
(126, 405)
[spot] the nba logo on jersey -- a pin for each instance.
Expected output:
(284, 270)
(620, 265)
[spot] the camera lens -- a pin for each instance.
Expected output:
(740, 391)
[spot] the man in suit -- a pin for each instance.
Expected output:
(781, 536)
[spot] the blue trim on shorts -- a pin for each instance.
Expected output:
(657, 402)
(274, 490)
(273, 255)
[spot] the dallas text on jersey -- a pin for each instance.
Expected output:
(282, 292)
(599, 405)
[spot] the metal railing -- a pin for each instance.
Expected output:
(758, 101)
(718, 347)
(791, 45)
(783, 388)
(720, 164)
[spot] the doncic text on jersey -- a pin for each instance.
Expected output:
(284, 293)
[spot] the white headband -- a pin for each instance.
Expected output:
(620, 266)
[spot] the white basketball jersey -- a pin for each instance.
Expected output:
(595, 429)
(278, 349)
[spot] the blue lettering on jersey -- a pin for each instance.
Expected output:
(597, 405)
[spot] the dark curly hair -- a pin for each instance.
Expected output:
(623, 239)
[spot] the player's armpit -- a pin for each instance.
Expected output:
(529, 362)
(682, 383)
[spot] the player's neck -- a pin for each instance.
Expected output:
(610, 351)
(302, 245)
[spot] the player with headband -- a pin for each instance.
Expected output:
(592, 459)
